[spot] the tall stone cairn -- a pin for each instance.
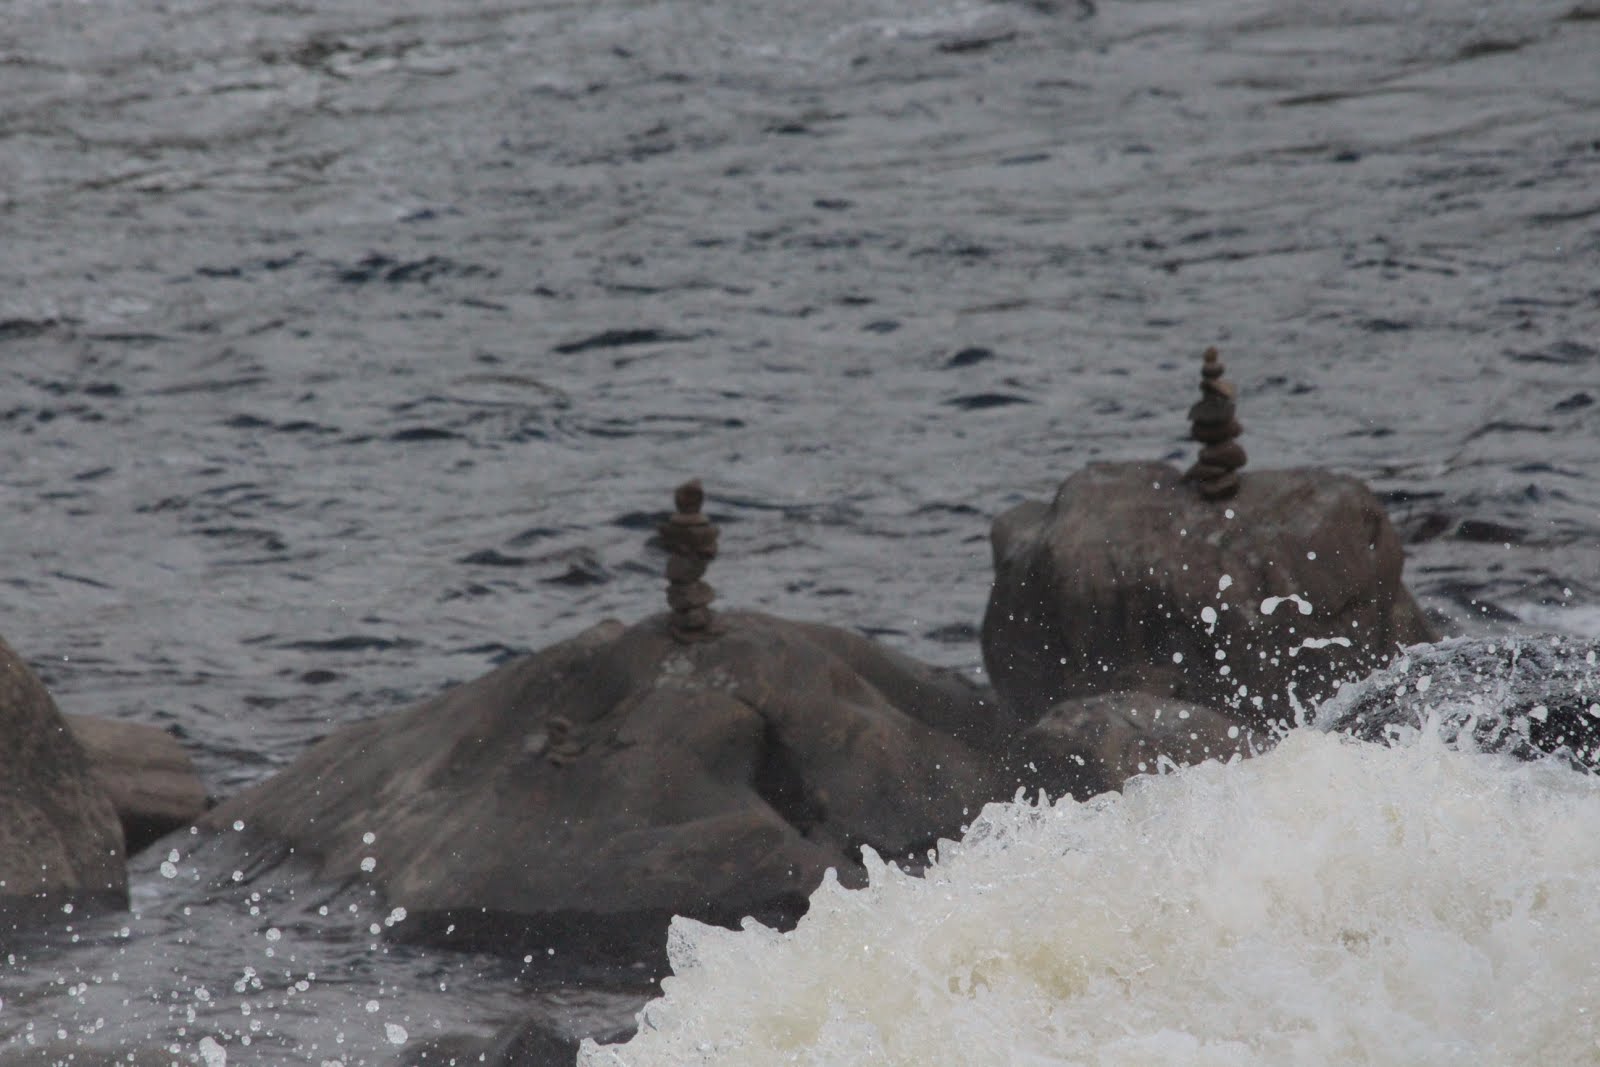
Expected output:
(691, 542)
(1213, 424)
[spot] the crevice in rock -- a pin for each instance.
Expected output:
(778, 781)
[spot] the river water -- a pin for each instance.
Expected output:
(346, 350)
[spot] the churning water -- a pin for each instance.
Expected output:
(1331, 902)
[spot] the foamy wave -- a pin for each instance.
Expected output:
(1330, 902)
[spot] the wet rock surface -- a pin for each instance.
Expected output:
(538, 1041)
(1131, 580)
(60, 841)
(145, 772)
(1530, 696)
(576, 799)
(1091, 745)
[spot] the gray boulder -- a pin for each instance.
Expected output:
(150, 779)
(579, 797)
(1531, 697)
(60, 842)
(1092, 745)
(1130, 579)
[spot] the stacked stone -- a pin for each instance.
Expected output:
(692, 544)
(1213, 424)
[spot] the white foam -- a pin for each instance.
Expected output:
(1330, 902)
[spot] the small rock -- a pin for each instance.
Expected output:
(1092, 745)
(150, 779)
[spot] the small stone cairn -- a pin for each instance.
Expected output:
(1213, 424)
(691, 541)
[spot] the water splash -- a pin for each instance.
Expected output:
(1271, 603)
(1332, 901)
(1318, 642)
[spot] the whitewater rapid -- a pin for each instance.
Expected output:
(1329, 902)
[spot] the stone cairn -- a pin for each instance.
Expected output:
(1213, 424)
(691, 541)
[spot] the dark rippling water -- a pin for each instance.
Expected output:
(347, 349)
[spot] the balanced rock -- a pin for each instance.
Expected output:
(579, 797)
(691, 542)
(1092, 745)
(1213, 424)
(146, 773)
(60, 842)
(1531, 697)
(1129, 580)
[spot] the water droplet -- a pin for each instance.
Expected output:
(214, 1054)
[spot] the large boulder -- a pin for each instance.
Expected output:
(147, 774)
(1531, 697)
(1090, 745)
(1130, 579)
(579, 797)
(60, 842)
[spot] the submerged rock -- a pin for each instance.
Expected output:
(540, 1040)
(1531, 697)
(579, 797)
(60, 841)
(1092, 745)
(1132, 579)
(150, 779)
